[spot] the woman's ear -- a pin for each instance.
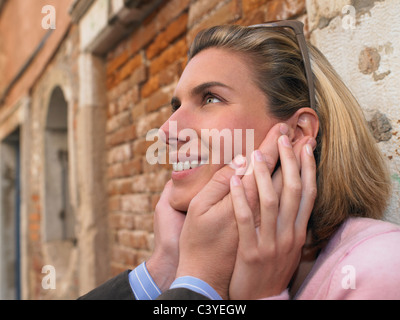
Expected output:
(303, 123)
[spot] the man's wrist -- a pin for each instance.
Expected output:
(217, 283)
(162, 271)
(142, 284)
(196, 285)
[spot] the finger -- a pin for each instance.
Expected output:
(297, 149)
(269, 146)
(309, 187)
(269, 202)
(243, 215)
(164, 197)
(291, 190)
(215, 190)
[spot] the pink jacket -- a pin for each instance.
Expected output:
(361, 261)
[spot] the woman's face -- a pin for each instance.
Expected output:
(216, 100)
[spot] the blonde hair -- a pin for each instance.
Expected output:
(352, 178)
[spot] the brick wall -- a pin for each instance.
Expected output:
(142, 72)
(61, 71)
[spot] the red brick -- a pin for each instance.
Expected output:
(139, 239)
(34, 237)
(138, 76)
(136, 239)
(113, 187)
(138, 110)
(169, 12)
(121, 120)
(34, 227)
(199, 9)
(124, 169)
(228, 13)
(140, 146)
(157, 180)
(128, 221)
(114, 220)
(170, 74)
(114, 171)
(131, 167)
(122, 135)
(170, 55)
(111, 109)
(123, 255)
(125, 185)
(172, 32)
(117, 62)
(148, 122)
(144, 222)
(114, 203)
(127, 98)
(34, 217)
(150, 86)
(143, 36)
(119, 153)
(129, 67)
(139, 184)
(158, 99)
(136, 203)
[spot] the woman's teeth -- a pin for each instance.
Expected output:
(180, 166)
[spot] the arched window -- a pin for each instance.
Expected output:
(58, 215)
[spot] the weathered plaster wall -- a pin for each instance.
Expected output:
(362, 41)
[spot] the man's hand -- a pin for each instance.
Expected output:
(168, 224)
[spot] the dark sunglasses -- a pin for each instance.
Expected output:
(297, 27)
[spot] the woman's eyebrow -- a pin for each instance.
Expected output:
(200, 89)
(206, 85)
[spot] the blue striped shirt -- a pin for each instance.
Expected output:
(144, 287)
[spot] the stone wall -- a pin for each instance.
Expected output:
(362, 41)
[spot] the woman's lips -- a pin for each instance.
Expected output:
(186, 165)
(181, 170)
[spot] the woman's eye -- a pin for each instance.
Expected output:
(211, 99)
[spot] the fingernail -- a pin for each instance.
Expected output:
(238, 161)
(258, 156)
(284, 140)
(312, 142)
(284, 128)
(235, 181)
(309, 150)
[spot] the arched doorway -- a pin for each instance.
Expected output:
(59, 217)
(58, 222)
